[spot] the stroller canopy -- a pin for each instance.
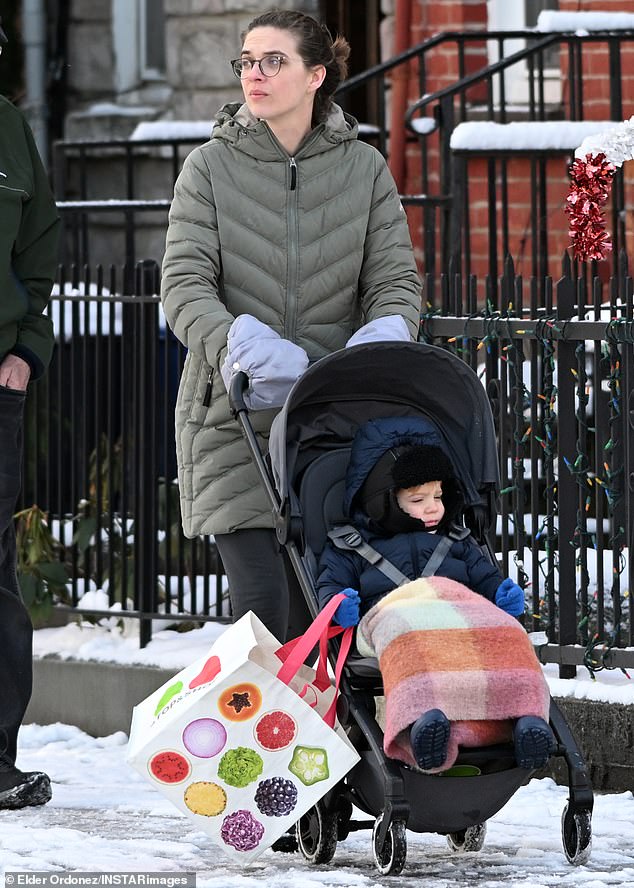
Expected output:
(343, 390)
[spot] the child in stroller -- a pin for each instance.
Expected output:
(403, 499)
(304, 475)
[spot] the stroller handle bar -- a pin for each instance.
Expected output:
(238, 386)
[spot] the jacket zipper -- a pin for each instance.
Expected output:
(293, 256)
(207, 396)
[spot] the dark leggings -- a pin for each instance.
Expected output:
(16, 632)
(261, 579)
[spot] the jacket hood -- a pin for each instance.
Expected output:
(376, 446)
(236, 124)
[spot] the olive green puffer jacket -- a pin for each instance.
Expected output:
(313, 245)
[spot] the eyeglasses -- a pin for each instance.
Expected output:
(269, 65)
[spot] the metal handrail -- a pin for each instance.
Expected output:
(478, 76)
(486, 73)
(421, 48)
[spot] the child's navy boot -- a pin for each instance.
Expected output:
(534, 742)
(429, 738)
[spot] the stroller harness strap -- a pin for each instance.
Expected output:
(349, 539)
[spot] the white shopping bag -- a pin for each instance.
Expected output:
(245, 740)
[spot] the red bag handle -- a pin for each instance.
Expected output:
(294, 652)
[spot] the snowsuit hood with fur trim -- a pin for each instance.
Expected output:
(410, 551)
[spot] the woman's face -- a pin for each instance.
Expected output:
(423, 502)
(287, 98)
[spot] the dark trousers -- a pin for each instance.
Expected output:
(262, 579)
(16, 632)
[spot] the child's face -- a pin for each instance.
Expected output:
(423, 502)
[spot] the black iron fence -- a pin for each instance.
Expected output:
(556, 358)
(557, 361)
(100, 457)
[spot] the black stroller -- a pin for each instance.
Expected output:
(304, 478)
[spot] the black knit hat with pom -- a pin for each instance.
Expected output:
(419, 465)
(402, 467)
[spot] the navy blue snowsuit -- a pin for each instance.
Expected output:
(409, 552)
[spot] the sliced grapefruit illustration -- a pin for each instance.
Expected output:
(275, 730)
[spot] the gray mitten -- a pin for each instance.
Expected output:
(390, 328)
(272, 364)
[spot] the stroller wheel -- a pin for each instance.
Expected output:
(469, 839)
(576, 834)
(390, 859)
(317, 834)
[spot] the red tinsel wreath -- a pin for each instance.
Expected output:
(591, 181)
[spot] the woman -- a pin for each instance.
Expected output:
(286, 236)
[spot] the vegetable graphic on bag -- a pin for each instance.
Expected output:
(245, 740)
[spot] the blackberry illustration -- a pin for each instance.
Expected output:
(276, 796)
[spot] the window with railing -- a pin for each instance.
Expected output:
(504, 16)
(138, 28)
(152, 38)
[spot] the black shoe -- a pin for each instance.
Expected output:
(286, 844)
(429, 738)
(534, 742)
(20, 790)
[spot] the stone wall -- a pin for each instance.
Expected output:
(90, 52)
(605, 734)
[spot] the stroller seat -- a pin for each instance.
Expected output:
(323, 481)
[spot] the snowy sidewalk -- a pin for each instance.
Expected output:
(105, 818)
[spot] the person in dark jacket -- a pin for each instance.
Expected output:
(403, 499)
(286, 238)
(28, 257)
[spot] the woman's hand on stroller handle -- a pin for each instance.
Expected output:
(271, 363)
(347, 614)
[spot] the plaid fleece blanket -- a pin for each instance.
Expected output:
(442, 646)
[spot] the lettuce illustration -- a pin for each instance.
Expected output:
(240, 766)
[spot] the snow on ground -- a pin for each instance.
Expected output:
(106, 818)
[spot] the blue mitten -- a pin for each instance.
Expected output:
(347, 614)
(510, 597)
